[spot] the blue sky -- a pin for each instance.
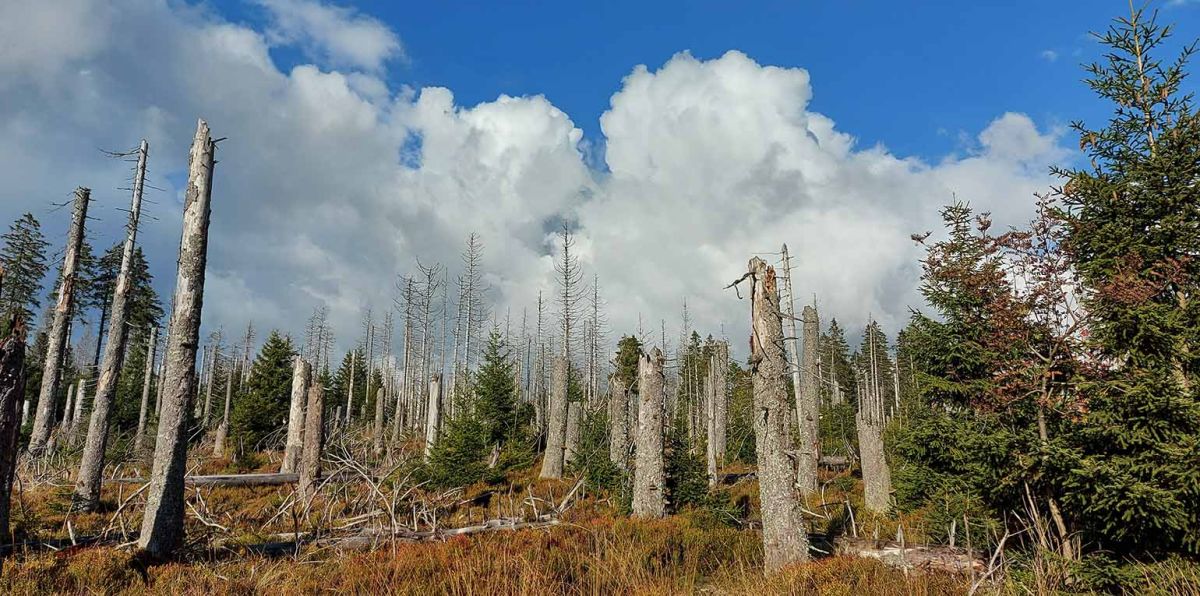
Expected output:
(910, 75)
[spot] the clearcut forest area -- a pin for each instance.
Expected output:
(1029, 425)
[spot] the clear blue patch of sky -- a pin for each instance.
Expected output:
(914, 76)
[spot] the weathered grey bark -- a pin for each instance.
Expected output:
(556, 428)
(433, 420)
(223, 427)
(314, 442)
(77, 415)
(618, 420)
(43, 419)
(571, 441)
(64, 425)
(380, 400)
(145, 406)
(808, 406)
(350, 391)
(162, 520)
(649, 474)
(784, 538)
(710, 392)
(870, 421)
(206, 415)
(295, 429)
(12, 393)
(721, 384)
(91, 465)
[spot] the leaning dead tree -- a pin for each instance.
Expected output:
(618, 421)
(649, 476)
(43, 420)
(12, 393)
(784, 538)
(162, 520)
(143, 409)
(556, 437)
(809, 406)
(871, 418)
(91, 466)
(295, 426)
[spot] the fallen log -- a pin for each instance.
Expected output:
(235, 479)
(940, 558)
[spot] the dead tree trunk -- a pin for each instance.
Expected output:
(556, 435)
(12, 393)
(223, 427)
(64, 425)
(143, 410)
(571, 440)
(784, 538)
(709, 394)
(208, 387)
(350, 391)
(870, 421)
(380, 400)
(618, 421)
(809, 404)
(162, 520)
(434, 419)
(314, 442)
(91, 466)
(43, 420)
(295, 428)
(721, 385)
(649, 475)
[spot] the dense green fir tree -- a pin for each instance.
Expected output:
(686, 472)
(494, 391)
(261, 408)
(739, 444)
(836, 364)
(629, 349)
(23, 256)
(1131, 219)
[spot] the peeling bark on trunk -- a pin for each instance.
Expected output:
(162, 520)
(618, 420)
(143, 410)
(91, 466)
(314, 443)
(556, 432)
(571, 442)
(43, 420)
(433, 420)
(809, 406)
(12, 393)
(784, 538)
(295, 429)
(649, 477)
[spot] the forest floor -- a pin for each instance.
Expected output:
(362, 535)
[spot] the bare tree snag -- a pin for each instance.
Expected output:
(91, 466)
(64, 425)
(870, 420)
(314, 443)
(556, 435)
(211, 368)
(43, 420)
(649, 472)
(720, 366)
(350, 391)
(571, 438)
(618, 420)
(12, 393)
(295, 429)
(808, 406)
(433, 420)
(709, 393)
(223, 427)
(377, 434)
(145, 405)
(162, 520)
(784, 538)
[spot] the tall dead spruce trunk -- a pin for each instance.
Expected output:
(223, 427)
(871, 418)
(91, 466)
(162, 521)
(571, 437)
(809, 406)
(556, 433)
(649, 477)
(433, 421)
(314, 442)
(618, 419)
(43, 420)
(295, 428)
(12, 393)
(784, 538)
(143, 410)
